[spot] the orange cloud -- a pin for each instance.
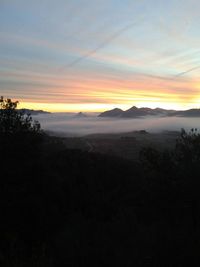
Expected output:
(96, 91)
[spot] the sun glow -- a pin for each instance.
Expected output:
(97, 96)
(99, 107)
(91, 107)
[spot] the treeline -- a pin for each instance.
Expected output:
(63, 207)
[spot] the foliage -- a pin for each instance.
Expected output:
(187, 148)
(186, 152)
(13, 121)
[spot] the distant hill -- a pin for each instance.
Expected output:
(135, 112)
(116, 112)
(187, 113)
(80, 115)
(33, 112)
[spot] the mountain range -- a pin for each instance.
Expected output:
(135, 112)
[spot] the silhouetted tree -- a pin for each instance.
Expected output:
(176, 173)
(13, 121)
(186, 152)
(187, 148)
(19, 133)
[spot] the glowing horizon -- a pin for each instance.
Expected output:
(51, 107)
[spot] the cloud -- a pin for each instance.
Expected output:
(187, 71)
(101, 45)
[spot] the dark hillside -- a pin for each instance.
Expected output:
(78, 208)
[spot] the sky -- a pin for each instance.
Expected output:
(94, 55)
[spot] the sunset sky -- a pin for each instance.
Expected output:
(93, 55)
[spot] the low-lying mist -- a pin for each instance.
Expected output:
(68, 124)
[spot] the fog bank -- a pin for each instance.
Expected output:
(68, 124)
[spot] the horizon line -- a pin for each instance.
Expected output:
(103, 110)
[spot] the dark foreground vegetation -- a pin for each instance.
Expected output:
(62, 207)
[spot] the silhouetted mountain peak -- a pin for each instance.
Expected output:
(116, 112)
(132, 108)
(80, 115)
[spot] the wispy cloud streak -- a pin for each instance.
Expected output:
(102, 45)
(187, 71)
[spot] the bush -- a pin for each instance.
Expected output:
(13, 121)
